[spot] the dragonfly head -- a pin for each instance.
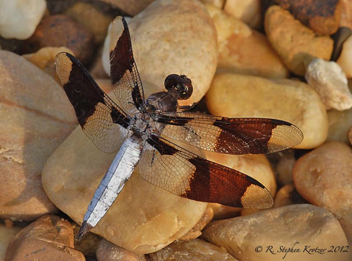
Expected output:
(179, 84)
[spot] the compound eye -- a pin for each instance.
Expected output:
(181, 84)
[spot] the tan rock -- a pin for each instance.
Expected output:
(90, 17)
(346, 13)
(19, 18)
(162, 47)
(249, 12)
(6, 235)
(45, 59)
(296, 44)
(284, 196)
(217, 3)
(234, 95)
(324, 178)
(143, 219)
(131, 7)
(47, 239)
(260, 236)
(328, 79)
(339, 123)
(284, 167)
(107, 251)
(195, 249)
(236, 43)
(344, 59)
(36, 117)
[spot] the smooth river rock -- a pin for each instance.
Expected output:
(296, 44)
(270, 234)
(49, 238)
(174, 36)
(195, 249)
(234, 95)
(339, 124)
(36, 117)
(324, 178)
(6, 236)
(237, 41)
(143, 219)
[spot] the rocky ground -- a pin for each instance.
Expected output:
(281, 59)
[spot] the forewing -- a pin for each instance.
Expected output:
(231, 135)
(100, 118)
(185, 174)
(125, 78)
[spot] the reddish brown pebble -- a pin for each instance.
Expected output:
(322, 16)
(60, 30)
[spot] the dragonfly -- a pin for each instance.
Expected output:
(153, 130)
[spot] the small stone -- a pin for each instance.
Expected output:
(284, 196)
(36, 117)
(195, 249)
(45, 59)
(217, 3)
(6, 236)
(49, 238)
(19, 18)
(83, 14)
(259, 236)
(131, 7)
(248, 12)
(284, 167)
(107, 251)
(58, 31)
(322, 16)
(162, 47)
(339, 123)
(236, 42)
(344, 59)
(296, 44)
(324, 178)
(234, 95)
(328, 79)
(346, 14)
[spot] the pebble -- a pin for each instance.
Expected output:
(107, 251)
(248, 12)
(296, 44)
(19, 18)
(339, 123)
(141, 220)
(330, 82)
(324, 178)
(36, 117)
(284, 167)
(83, 14)
(58, 31)
(195, 249)
(45, 59)
(236, 42)
(131, 7)
(48, 238)
(322, 16)
(259, 236)
(6, 235)
(284, 196)
(234, 95)
(346, 14)
(344, 59)
(161, 44)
